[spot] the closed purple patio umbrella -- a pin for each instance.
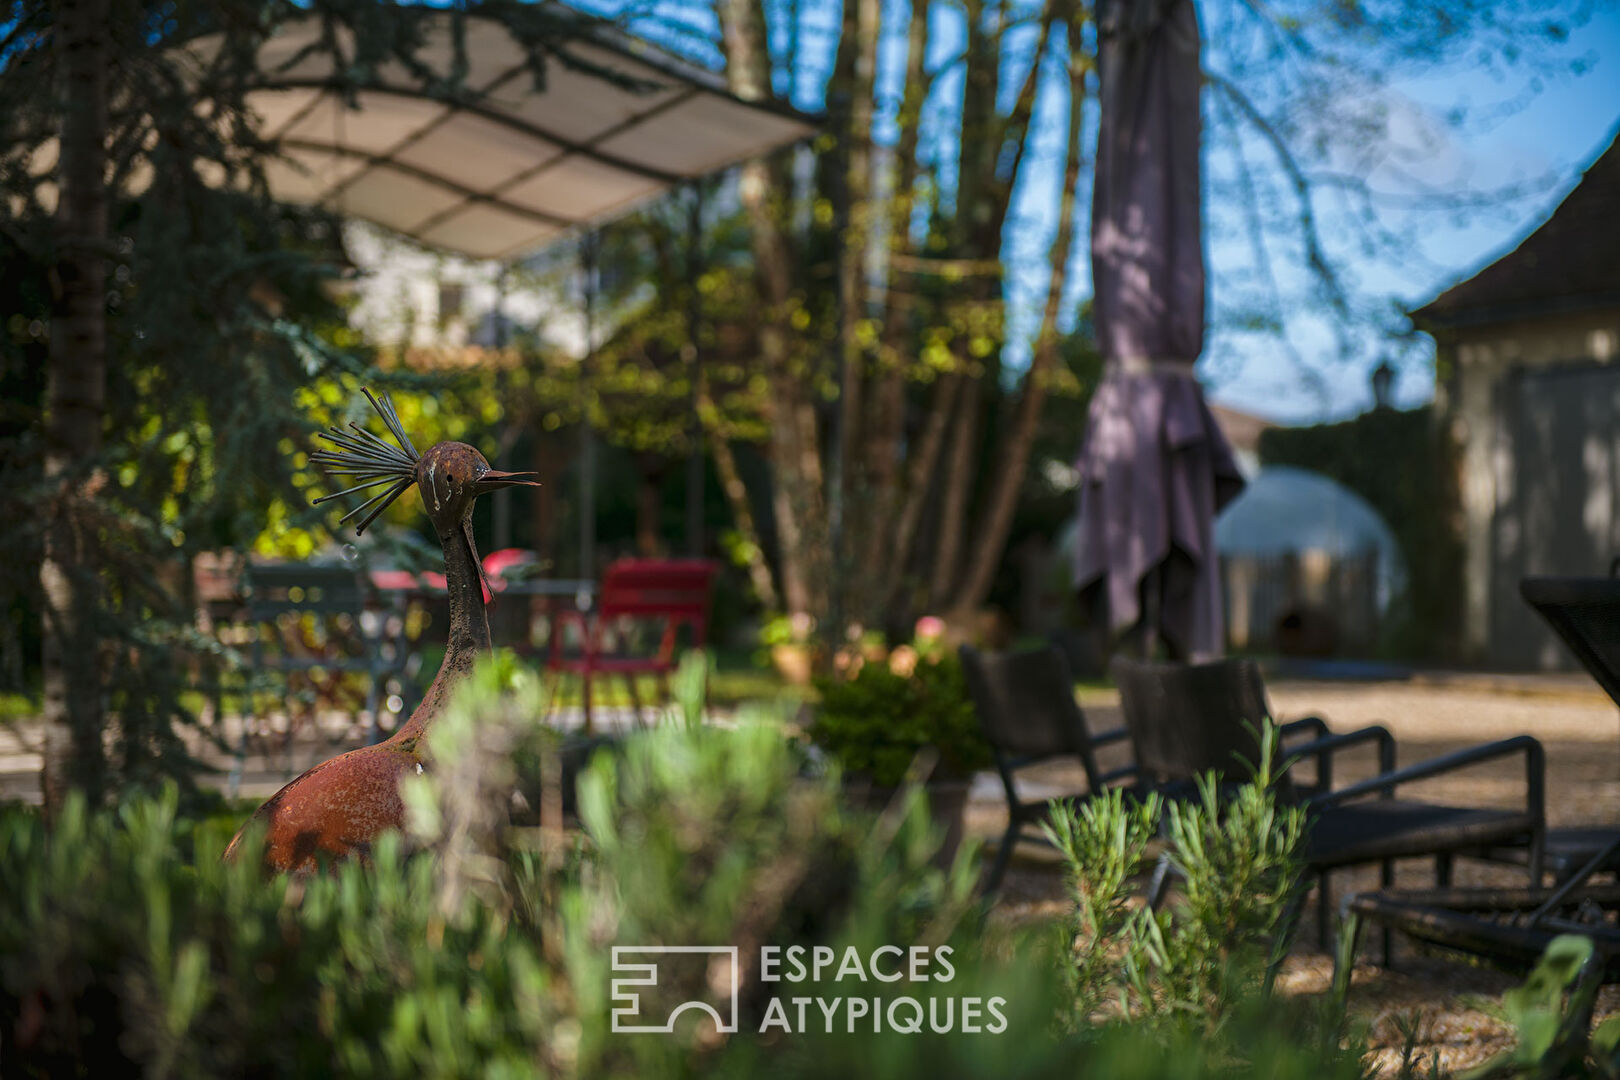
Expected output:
(1154, 468)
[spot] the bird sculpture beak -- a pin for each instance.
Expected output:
(495, 479)
(492, 480)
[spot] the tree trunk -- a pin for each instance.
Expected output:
(550, 460)
(886, 425)
(794, 443)
(983, 195)
(919, 474)
(649, 507)
(996, 521)
(964, 442)
(75, 404)
(742, 512)
(979, 145)
(863, 19)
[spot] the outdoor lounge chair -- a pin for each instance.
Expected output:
(1188, 719)
(1028, 713)
(1511, 927)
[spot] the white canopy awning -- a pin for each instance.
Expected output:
(512, 167)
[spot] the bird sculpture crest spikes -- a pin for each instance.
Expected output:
(339, 807)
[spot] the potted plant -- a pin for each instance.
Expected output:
(789, 642)
(874, 723)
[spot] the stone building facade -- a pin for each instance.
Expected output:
(1528, 384)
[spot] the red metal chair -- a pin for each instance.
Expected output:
(634, 594)
(496, 565)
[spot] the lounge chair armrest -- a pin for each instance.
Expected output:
(1120, 773)
(1113, 735)
(1314, 725)
(1534, 769)
(1324, 748)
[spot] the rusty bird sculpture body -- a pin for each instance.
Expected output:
(340, 806)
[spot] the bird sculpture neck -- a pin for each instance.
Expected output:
(469, 631)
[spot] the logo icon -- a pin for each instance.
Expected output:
(627, 998)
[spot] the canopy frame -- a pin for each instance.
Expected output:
(499, 169)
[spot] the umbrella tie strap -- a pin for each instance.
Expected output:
(1143, 365)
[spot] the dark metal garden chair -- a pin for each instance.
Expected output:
(1028, 713)
(1511, 927)
(310, 627)
(1189, 719)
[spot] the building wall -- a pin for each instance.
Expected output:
(407, 296)
(1476, 359)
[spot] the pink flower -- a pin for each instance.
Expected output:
(929, 627)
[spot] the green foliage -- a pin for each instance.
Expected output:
(1104, 845)
(690, 687)
(1551, 1014)
(1403, 464)
(1239, 859)
(1236, 858)
(225, 346)
(796, 629)
(874, 722)
(127, 946)
(130, 947)
(216, 315)
(476, 948)
(1552, 1032)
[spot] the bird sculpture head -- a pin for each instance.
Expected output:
(450, 475)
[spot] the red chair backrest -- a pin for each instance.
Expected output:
(675, 588)
(497, 563)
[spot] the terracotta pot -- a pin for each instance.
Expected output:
(947, 805)
(795, 663)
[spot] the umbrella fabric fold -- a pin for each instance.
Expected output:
(1154, 471)
(1154, 467)
(1147, 235)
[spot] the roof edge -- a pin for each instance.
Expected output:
(1611, 144)
(1462, 318)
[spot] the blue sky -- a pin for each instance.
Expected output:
(1554, 135)
(1533, 137)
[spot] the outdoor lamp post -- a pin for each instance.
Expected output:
(1383, 381)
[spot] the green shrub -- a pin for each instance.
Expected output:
(1235, 855)
(874, 723)
(123, 956)
(474, 948)
(128, 947)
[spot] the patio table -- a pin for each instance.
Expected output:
(1585, 613)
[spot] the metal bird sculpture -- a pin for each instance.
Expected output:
(339, 807)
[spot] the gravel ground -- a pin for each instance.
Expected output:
(1580, 729)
